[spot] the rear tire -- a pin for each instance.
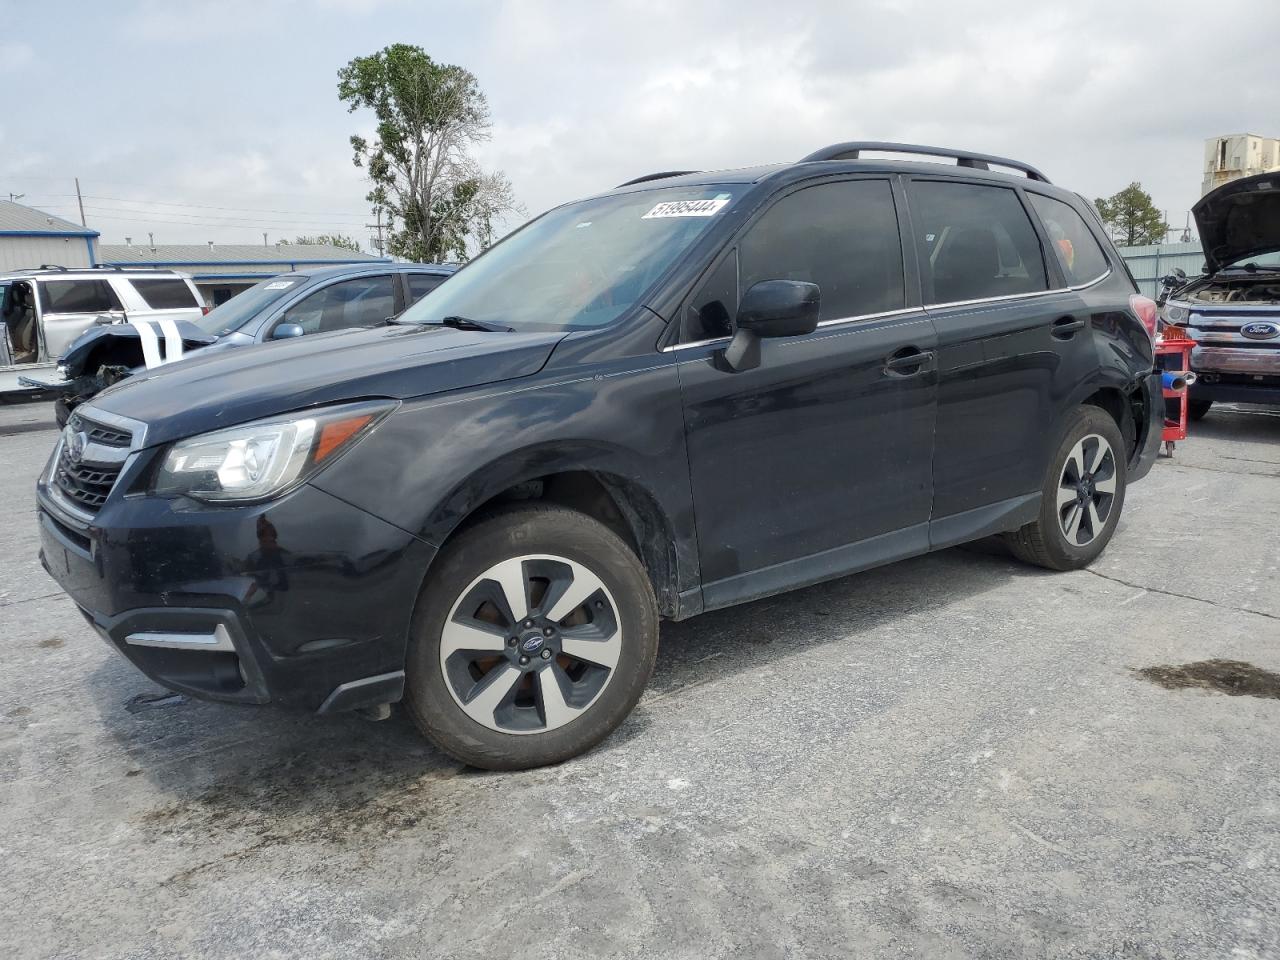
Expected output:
(1196, 409)
(1082, 496)
(505, 688)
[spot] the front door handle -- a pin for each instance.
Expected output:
(908, 362)
(1064, 328)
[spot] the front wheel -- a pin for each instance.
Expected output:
(1082, 496)
(533, 639)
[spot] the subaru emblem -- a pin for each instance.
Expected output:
(1260, 331)
(76, 441)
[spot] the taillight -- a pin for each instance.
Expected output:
(1146, 310)
(204, 311)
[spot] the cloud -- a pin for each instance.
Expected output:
(234, 105)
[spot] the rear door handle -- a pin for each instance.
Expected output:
(908, 362)
(1064, 328)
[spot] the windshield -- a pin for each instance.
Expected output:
(1265, 261)
(243, 307)
(580, 266)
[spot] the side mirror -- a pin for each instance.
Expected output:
(287, 331)
(771, 308)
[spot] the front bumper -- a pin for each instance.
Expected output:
(304, 601)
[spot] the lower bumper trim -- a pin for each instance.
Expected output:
(217, 639)
(365, 692)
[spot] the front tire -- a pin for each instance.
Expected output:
(533, 638)
(1082, 497)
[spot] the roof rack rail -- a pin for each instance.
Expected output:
(53, 266)
(963, 158)
(107, 266)
(656, 176)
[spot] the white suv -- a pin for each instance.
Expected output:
(42, 311)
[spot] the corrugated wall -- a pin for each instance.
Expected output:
(18, 253)
(1151, 262)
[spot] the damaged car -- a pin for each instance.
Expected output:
(1232, 310)
(44, 310)
(282, 307)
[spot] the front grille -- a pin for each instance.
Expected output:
(83, 473)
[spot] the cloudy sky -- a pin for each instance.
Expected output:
(220, 121)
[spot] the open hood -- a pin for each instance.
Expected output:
(1240, 219)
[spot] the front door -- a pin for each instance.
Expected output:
(818, 461)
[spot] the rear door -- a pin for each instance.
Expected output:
(818, 460)
(69, 307)
(420, 284)
(1014, 343)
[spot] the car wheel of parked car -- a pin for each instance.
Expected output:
(1196, 409)
(1082, 497)
(533, 640)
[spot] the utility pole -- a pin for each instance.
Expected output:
(378, 226)
(80, 201)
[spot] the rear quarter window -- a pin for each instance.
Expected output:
(1073, 243)
(78, 296)
(168, 294)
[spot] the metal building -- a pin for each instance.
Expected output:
(30, 237)
(1237, 155)
(220, 271)
(1150, 262)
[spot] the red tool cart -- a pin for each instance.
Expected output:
(1173, 356)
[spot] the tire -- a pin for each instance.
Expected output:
(1196, 409)
(588, 636)
(1077, 516)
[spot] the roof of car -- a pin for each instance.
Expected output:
(340, 270)
(55, 272)
(849, 157)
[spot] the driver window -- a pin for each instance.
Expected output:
(353, 303)
(843, 236)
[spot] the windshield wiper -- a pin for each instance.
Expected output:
(466, 323)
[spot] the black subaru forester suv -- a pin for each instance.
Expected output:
(691, 391)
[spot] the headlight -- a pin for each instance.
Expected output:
(265, 458)
(1174, 314)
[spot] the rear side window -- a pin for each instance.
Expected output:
(169, 294)
(1077, 249)
(974, 242)
(420, 284)
(842, 236)
(78, 296)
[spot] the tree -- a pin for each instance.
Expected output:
(429, 114)
(1132, 217)
(329, 239)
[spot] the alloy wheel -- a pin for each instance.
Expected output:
(1086, 490)
(531, 644)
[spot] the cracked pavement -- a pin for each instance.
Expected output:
(949, 757)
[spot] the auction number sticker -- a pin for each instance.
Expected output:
(687, 208)
(279, 285)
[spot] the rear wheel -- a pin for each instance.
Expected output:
(1082, 496)
(1196, 409)
(534, 638)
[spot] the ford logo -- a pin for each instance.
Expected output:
(531, 645)
(1260, 331)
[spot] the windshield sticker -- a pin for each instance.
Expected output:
(279, 285)
(687, 208)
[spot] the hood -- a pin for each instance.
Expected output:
(120, 343)
(1240, 219)
(221, 388)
